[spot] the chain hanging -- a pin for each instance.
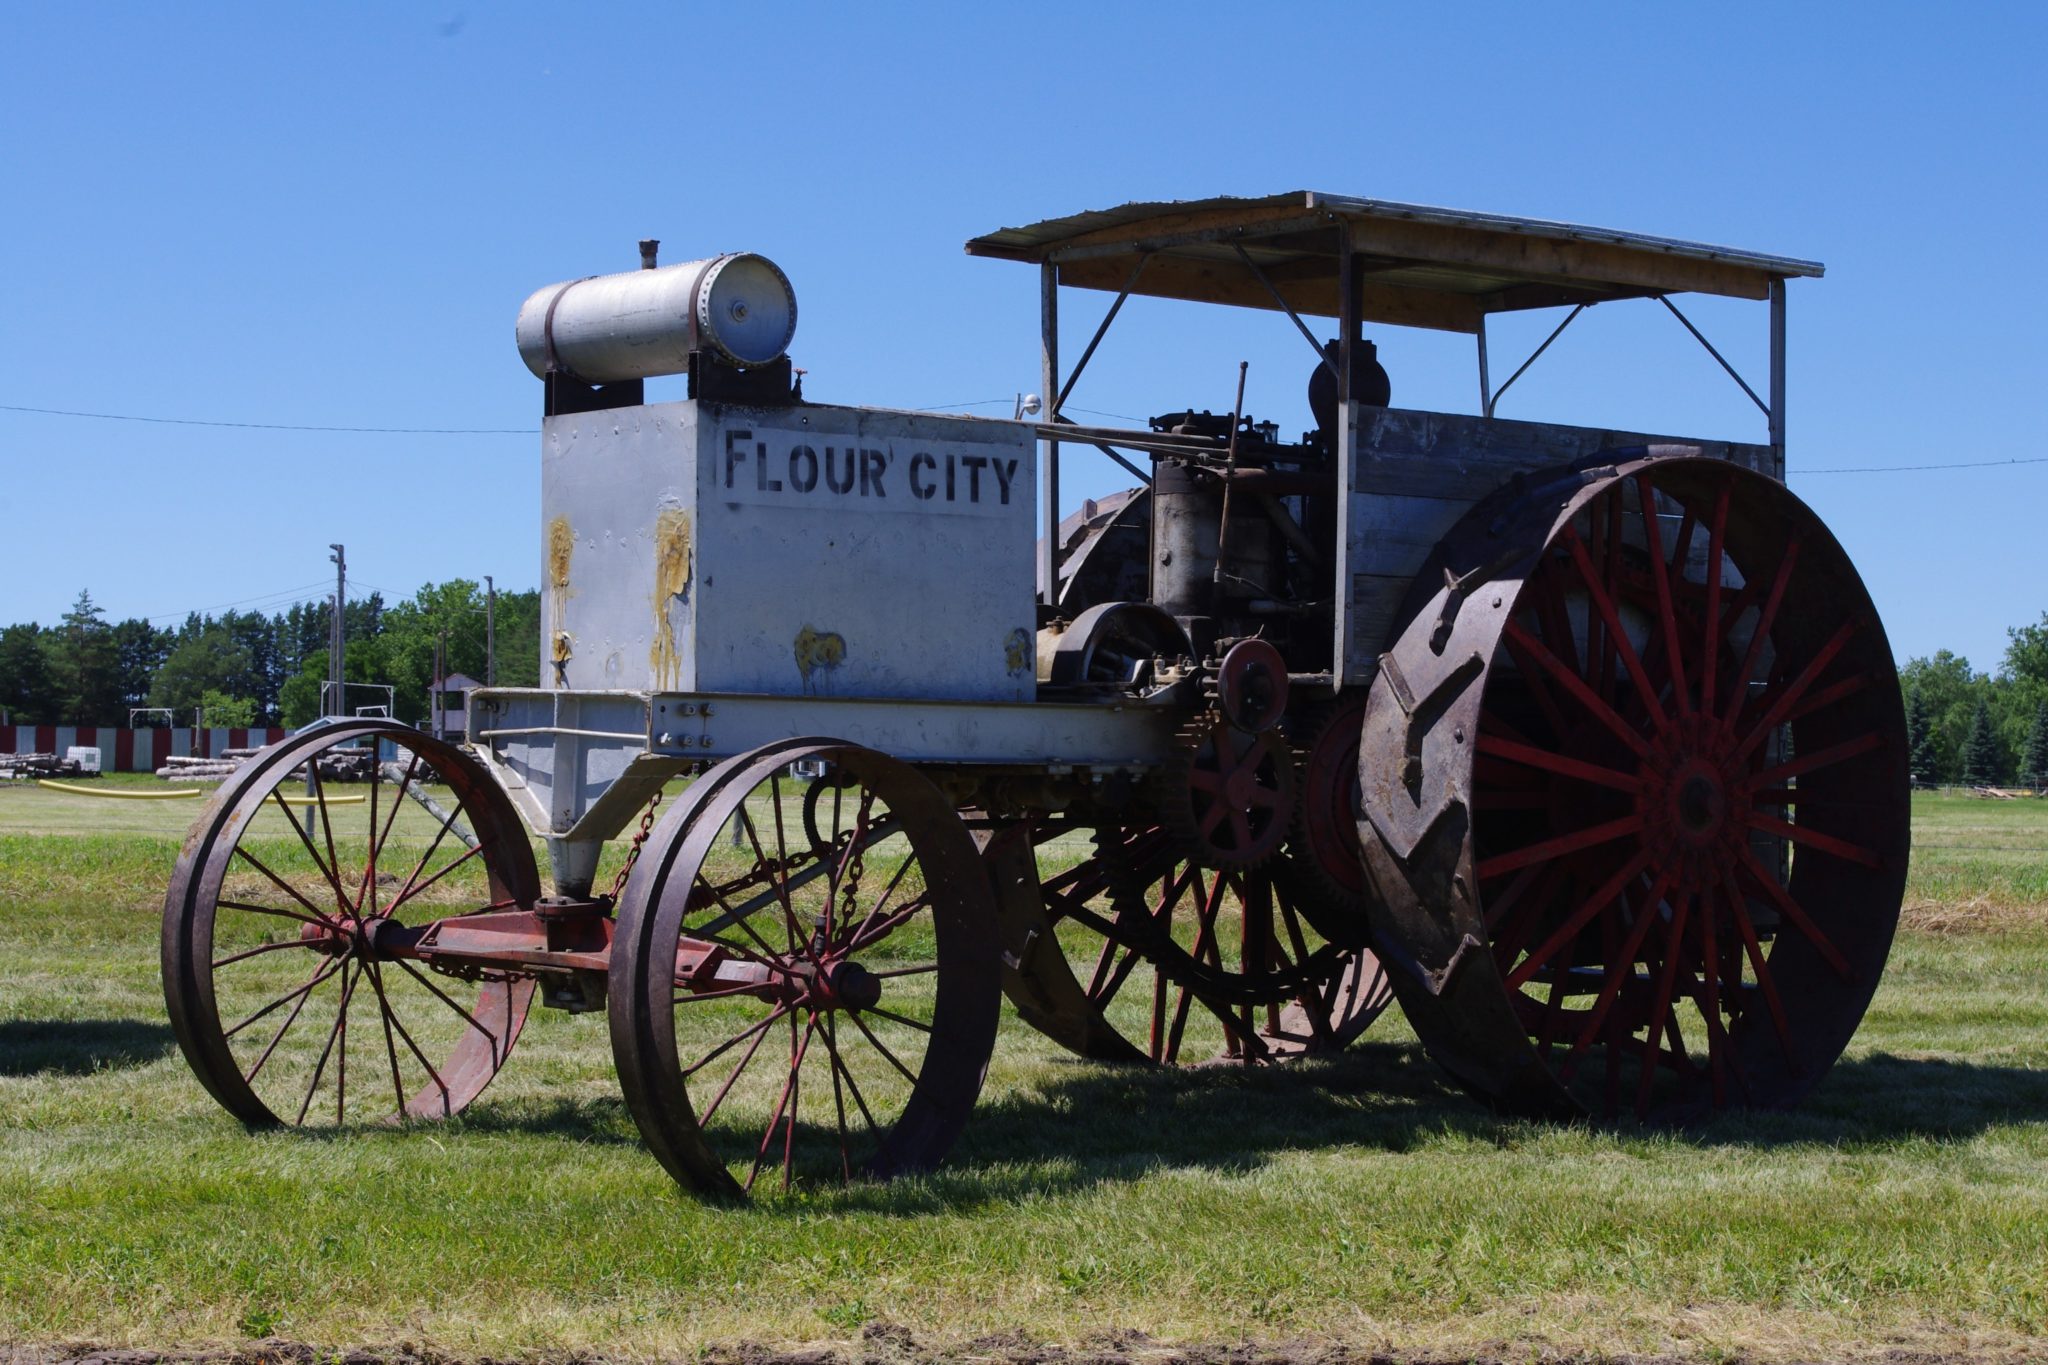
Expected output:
(633, 852)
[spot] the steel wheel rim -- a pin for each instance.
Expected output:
(1564, 822)
(890, 1052)
(372, 1038)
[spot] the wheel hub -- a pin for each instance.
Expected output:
(846, 985)
(1695, 815)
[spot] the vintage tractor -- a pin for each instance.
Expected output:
(1586, 746)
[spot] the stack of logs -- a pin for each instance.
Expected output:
(336, 765)
(186, 768)
(26, 766)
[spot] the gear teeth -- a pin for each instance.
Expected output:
(1174, 796)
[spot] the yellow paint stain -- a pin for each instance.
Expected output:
(816, 649)
(561, 549)
(1017, 651)
(671, 581)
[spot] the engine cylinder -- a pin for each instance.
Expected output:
(641, 323)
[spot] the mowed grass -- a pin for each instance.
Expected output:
(1359, 1200)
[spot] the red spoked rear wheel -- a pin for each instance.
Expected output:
(1635, 795)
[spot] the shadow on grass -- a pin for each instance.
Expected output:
(79, 1047)
(1089, 1124)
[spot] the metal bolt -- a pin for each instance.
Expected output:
(707, 708)
(664, 740)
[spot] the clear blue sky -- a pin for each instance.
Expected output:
(327, 215)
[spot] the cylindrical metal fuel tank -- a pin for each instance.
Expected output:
(643, 323)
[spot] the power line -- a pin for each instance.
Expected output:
(271, 426)
(1917, 468)
(280, 595)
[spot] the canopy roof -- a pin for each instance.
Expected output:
(1418, 267)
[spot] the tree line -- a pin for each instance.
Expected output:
(1980, 729)
(248, 669)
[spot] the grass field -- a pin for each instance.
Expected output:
(1358, 1201)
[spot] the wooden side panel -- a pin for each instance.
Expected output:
(1416, 473)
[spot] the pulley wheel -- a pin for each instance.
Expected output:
(1634, 794)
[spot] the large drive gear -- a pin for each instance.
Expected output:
(1227, 797)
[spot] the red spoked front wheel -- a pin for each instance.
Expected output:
(804, 980)
(280, 994)
(1634, 794)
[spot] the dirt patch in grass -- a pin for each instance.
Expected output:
(885, 1345)
(1976, 915)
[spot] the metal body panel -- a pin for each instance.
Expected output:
(583, 762)
(1411, 475)
(800, 551)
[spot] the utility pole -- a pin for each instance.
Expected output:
(440, 684)
(339, 705)
(490, 632)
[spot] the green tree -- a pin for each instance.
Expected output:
(204, 660)
(1920, 759)
(28, 693)
(85, 664)
(223, 710)
(1983, 763)
(1951, 691)
(298, 700)
(2034, 763)
(139, 651)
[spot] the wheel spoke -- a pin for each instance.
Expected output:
(1775, 716)
(1793, 911)
(1661, 1007)
(328, 970)
(301, 943)
(1766, 618)
(1578, 919)
(1622, 965)
(412, 890)
(421, 866)
(319, 916)
(1766, 984)
(390, 1043)
(1711, 1006)
(1660, 573)
(1563, 766)
(876, 1043)
(902, 1019)
(466, 1016)
(1617, 637)
(282, 913)
(759, 1033)
(1529, 650)
(1711, 617)
(320, 973)
(832, 1041)
(1814, 839)
(348, 986)
(750, 1031)
(326, 872)
(1819, 758)
(1558, 847)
